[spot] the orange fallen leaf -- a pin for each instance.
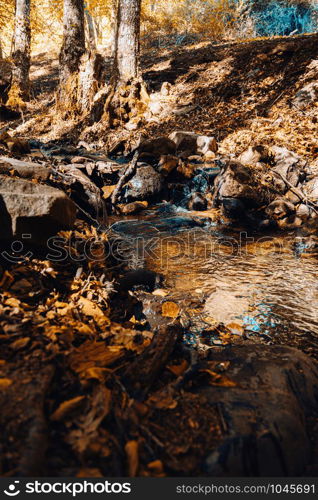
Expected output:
(90, 308)
(108, 191)
(170, 310)
(178, 370)
(96, 372)
(156, 467)
(6, 280)
(66, 408)
(5, 382)
(93, 354)
(132, 453)
(218, 379)
(235, 328)
(12, 302)
(20, 343)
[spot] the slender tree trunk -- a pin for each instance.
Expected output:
(113, 27)
(73, 39)
(73, 48)
(128, 39)
(20, 84)
(127, 99)
(124, 102)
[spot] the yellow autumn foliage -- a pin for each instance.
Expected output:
(162, 22)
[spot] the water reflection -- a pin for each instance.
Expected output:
(261, 284)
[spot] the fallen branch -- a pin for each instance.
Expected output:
(299, 193)
(127, 175)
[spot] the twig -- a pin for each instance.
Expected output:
(298, 193)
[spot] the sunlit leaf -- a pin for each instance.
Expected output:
(170, 310)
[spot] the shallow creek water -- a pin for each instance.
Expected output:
(263, 285)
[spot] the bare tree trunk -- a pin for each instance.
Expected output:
(81, 71)
(20, 83)
(72, 50)
(73, 39)
(127, 99)
(128, 39)
(124, 102)
(113, 27)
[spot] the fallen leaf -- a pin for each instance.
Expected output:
(90, 308)
(12, 302)
(108, 191)
(132, 453)
(218, 379)
(170, 310)
(6, 280)
(235, 328)
(66, 408)
(156, 467)
(160, 292)
(178, 370)
(96, 373)
(20, 343)
(5, 382)
(211, 321)
(93, 354)
(162, 400)
(87, 425)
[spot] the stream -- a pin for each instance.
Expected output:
(260, 286)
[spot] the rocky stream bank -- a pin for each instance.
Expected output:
(108, 367)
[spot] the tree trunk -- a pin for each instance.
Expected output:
(113, 27)
(73, 48)
(73, 39)
(20, 84)
(127, 99)
(128, 40)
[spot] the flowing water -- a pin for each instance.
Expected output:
(263, 285)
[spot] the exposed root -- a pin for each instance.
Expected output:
(126, 104)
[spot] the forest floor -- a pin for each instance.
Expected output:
(85, 389)
(241, 93)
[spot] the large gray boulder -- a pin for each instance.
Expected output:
(33, 211)
(238, 189)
